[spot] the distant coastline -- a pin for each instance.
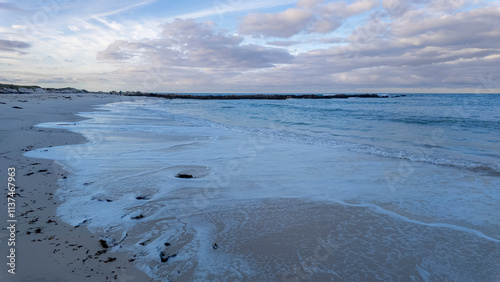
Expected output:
(34, 89)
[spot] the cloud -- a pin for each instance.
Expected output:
(309, 16)
(186, 43)
(13, 45)
(10, 7)
(325, 25)
(446, 5)
(221, 8)
(332, 40)
(345, 10)
(419, 51)
(283, 43)
(480, 27)
(114, 52)
(122, 9)
(308, 4)
(351, 46)
(284, 24)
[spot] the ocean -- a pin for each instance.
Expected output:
(400, 188)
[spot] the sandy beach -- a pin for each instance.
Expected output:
(47, 249)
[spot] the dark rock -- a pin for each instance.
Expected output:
(16, 107)
(215, 246)
(103, 243)
(83, 222)
(167, 244)
(100, 252)
(183, 175)
(164, 257)
(145, 242)
(109, 260)
(251, 97)
(138, 216)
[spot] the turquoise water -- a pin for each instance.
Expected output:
(418, 177)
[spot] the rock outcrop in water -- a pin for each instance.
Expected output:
(250, 96)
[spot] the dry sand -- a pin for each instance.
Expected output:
(48, 249)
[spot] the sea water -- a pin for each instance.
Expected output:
(401, 188)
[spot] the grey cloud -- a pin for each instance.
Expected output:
(446, 5)
(309, 16)
(10, 7)
(114, 51)
(445, 53)
(474, 28)
(345, 10)
(186, 43)
(332, 40)
(60, 80)
(325, 26)
(417, 51)
(309, 3)
(283, 43)
(13, 45)
(284, 24)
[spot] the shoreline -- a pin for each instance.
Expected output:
(46, 248)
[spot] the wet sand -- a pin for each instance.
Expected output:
(47, 249)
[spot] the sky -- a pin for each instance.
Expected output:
(261, 46)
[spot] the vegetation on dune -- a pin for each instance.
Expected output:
(16, 87)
